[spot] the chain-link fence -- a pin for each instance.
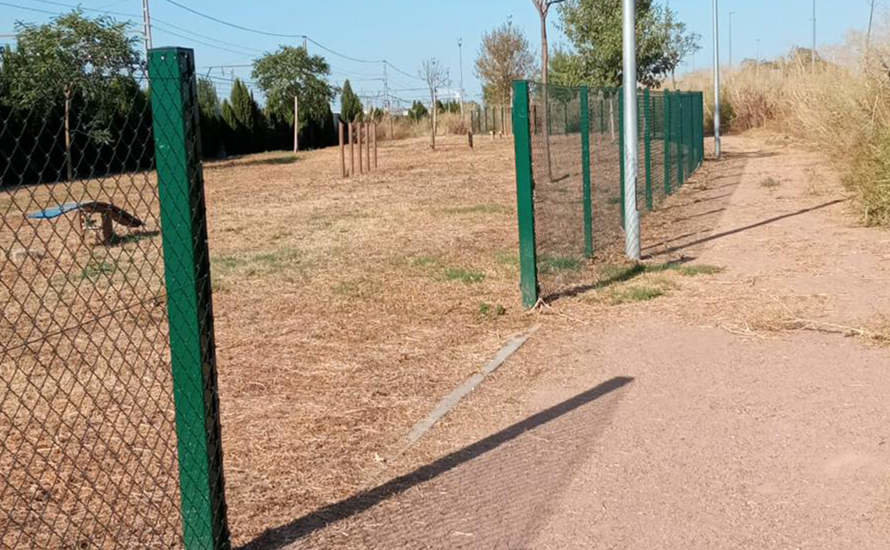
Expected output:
(91, 362)
(570, 172)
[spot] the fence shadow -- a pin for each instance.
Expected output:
(722, 234)
(328, 515)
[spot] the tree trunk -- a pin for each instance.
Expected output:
(68, 135)
(545, 61)
(435, 122)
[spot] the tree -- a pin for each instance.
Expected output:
(290, 73)
(350, 105)
(245, 120)
(595, 29)
(680, 43)
(418, 111)
(210, 112)
(72, 56)
(435, 77)
(504, 56)
(566, 68)
(543, 7)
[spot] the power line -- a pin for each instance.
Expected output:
(233, 25)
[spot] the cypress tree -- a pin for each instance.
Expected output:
(350, 105)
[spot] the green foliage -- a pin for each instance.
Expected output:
(350, 105)
(448, 106)
(418, 111)
(71, 54)
(291, 72)
(594, 27)
(504, 56)
(566, 69)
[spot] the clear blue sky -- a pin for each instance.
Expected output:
(405, 32)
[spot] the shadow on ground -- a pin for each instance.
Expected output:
(496, 492)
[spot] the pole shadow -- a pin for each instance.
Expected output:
(300, 528)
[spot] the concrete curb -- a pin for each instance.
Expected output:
(452, 399)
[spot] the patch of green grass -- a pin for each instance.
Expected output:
(491, 311)
(507, 258)
(96, 268)
(770, 183)
(635, 294)
(424, 261)
(614, 200)
(264, 263)
(479, 209)
(552, 264)
(466, 276)
(695, 270)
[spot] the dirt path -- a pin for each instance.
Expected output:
(746, 409)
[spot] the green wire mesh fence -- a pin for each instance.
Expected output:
(570, 168)
(106, 320)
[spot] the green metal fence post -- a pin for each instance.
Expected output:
(700, 121)
(189, 304)
(585, 171)
(621, 150)
(647, 99)
(525, 202)
(681, 177)
(667, 142)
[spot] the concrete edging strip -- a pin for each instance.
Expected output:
(453, 398)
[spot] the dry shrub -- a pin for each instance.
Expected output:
(843, 108)
(405, 128)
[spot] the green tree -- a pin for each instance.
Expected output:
(291, 72)
(72, 57)
(595, 30)
(418, 111)
(210, 112)
(504, 56)
(566, 68)
(350, 105)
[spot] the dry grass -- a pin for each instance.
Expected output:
(843, 109)
(344, 310)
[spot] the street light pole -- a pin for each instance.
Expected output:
(631, 216)
(716, 81)
(460, 48)
(146, 25)
(813, 52)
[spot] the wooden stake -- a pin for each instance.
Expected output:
(375, 144)
(342, 151)
(361, 163)
(368, 145)
(351, 150)
(470, 138)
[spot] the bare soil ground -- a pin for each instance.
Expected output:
(345, 309)
(742, 407)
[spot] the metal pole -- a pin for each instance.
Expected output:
(716, 81)
(631, 216)
(146, 25)
(871, 16)
(460, 48)
(813, 52)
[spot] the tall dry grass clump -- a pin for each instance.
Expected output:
(403, 127)
(843, 108)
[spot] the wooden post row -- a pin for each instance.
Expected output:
(342, 150)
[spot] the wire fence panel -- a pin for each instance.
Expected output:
(558, 191)
(577, 170)
(86, 419)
